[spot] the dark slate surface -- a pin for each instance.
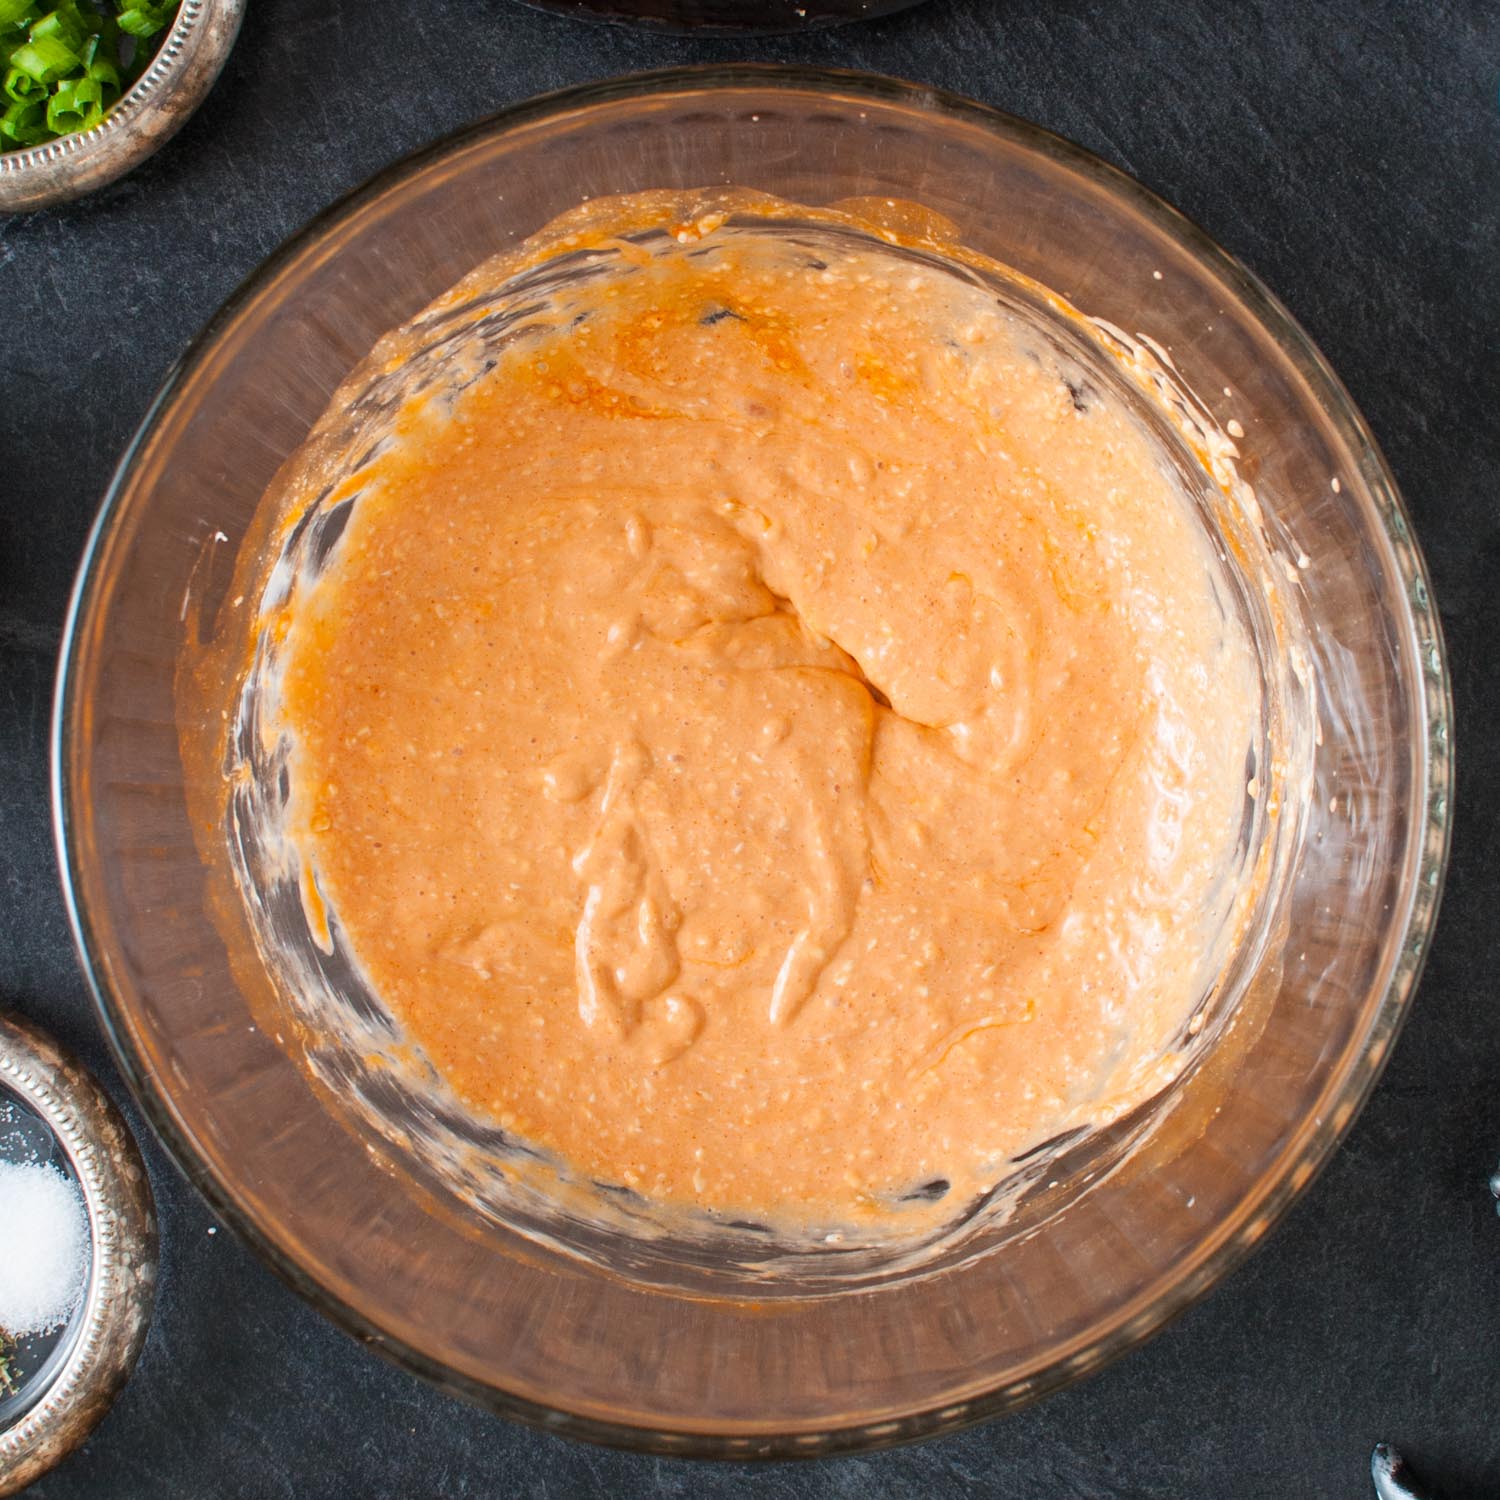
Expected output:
(1349, 154)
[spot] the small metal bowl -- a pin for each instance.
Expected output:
(58, 1403)
(155, 108)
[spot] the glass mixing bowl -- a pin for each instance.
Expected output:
(621, 1344)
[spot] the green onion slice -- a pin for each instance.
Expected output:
(25, 124)
(75, 105)
(45, 59)
(145, 20)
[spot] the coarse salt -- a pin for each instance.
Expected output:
(44, 1248)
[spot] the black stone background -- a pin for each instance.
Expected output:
(1348, 152)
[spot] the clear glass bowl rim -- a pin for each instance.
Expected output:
(1303, 1159)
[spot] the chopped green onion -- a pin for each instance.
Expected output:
(61, 26)
(64, 63)
(75, 105)
(145, 20)
(25, 124)
(45, 59)
(22, 87)
(101, 69)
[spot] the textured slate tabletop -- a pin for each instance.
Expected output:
(1351, 155)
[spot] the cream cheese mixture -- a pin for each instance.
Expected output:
(775, 741)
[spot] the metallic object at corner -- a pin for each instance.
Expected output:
(117, 1301)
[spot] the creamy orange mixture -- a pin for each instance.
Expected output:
(775, 742)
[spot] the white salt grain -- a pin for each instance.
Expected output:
(44, 1248)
